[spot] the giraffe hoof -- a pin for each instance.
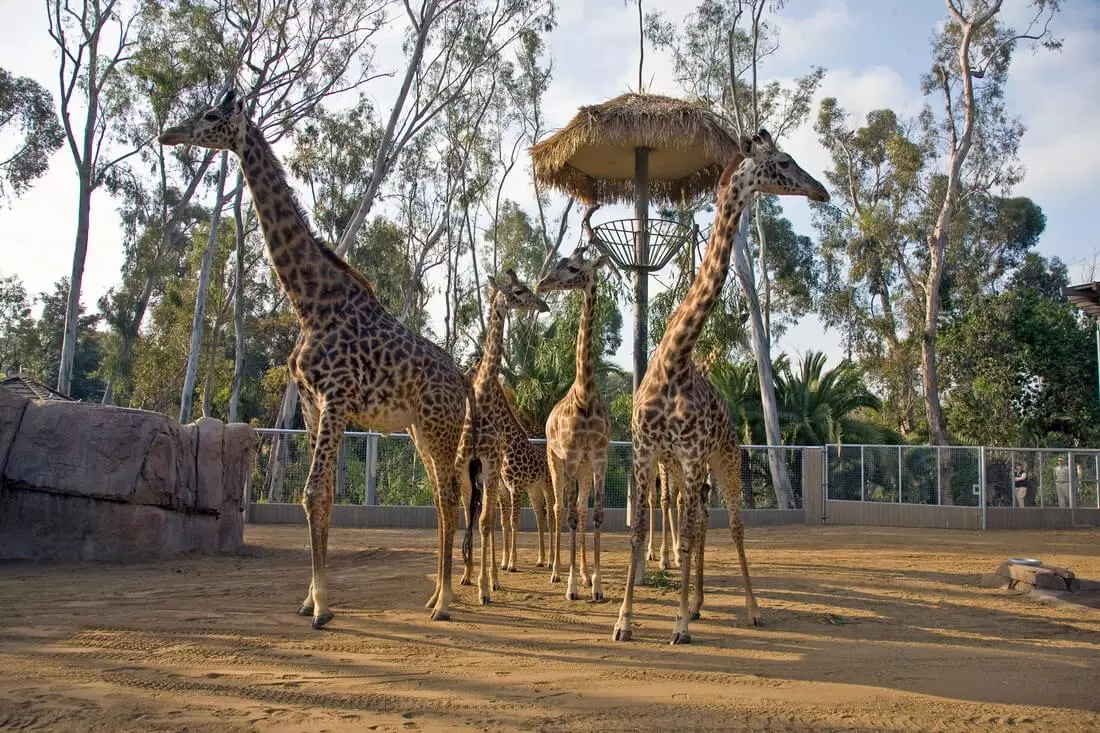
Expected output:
(571, 597)
(695, 616)
(621, 634)
(680, 637)
(465, 581)
(597, 596)
(664, 565)
(438, 615)
(754, 621)
(511, 568)
(305, 610)
(540, 564)
(485, 600)
(324, 618)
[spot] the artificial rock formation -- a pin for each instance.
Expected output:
(82, 481)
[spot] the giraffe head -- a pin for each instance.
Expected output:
(515, 295)
(221, 127)
(575, 272)
(769, 170)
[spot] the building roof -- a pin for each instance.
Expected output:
(1086, 297)
(32, 389)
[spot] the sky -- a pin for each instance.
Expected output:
(874, 52)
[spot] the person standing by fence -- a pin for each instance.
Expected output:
(1019, 482)
(1062, 481)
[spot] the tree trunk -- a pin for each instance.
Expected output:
(200, 297)
(211, 365)
(238, 307)
(762, 352)
(76, 279)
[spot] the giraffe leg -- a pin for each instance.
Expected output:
(487, 578)
(727, 467)
(310, 416)
(538, 504)
(503, 512)
(694, 476)
(584, 488)
(317, 500)
(571, 500)
(558, 481)
(697, 556)
(599, 474)
(440, 524)
(651, 554)
(643, 477)
(513, 527)
(666, 517)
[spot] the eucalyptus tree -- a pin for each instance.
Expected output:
(95, 41)
(27, 104)
(977, 138)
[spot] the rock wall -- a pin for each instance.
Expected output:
(82, 481)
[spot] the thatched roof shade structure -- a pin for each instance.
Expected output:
(592, 158)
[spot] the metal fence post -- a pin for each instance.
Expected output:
(370, 493)
(863, 473)
(899, 474)
(939, 475)
(1039, 463)
(981, 480)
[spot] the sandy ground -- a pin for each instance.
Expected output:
(865, 629)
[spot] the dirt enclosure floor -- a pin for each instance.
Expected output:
(864, 629)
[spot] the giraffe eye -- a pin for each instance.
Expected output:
(574, 268)
(784, 164)
(210, 117)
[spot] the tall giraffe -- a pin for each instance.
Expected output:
(578, 431)
(352, 360)
(672, 419)
(495, 415)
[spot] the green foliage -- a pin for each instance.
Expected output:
(1021, 365)
(26, 101)
(34, 346)
(816, 405)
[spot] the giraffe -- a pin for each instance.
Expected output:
(525, 470)
(672, 420)
(578, 431)
(495, 414)
(353, 361)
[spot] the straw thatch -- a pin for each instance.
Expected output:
(592, 157)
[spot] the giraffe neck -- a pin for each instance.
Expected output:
(312, 275)
(494, 341)
(687, 321)
(585, 380)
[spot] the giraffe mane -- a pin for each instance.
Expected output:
(303, 218)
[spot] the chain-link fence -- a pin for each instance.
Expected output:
(954, 475)
(385, 470)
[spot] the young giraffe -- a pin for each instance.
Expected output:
(352, 360)
(508, 294)
(525, 470)
(578, 431)
(671, 419)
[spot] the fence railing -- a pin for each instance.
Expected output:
(957, 475)
(376, 469)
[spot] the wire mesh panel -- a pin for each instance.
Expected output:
(386, 470)
(905, 474)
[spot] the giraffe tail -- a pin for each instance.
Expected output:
(474, 468)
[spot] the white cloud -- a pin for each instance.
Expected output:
(1055, 93)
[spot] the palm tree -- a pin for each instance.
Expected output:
(819, 405)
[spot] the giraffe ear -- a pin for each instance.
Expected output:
(492, 282)
(228, 101)
(745, 145)
(765, 137)
(511, 275)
